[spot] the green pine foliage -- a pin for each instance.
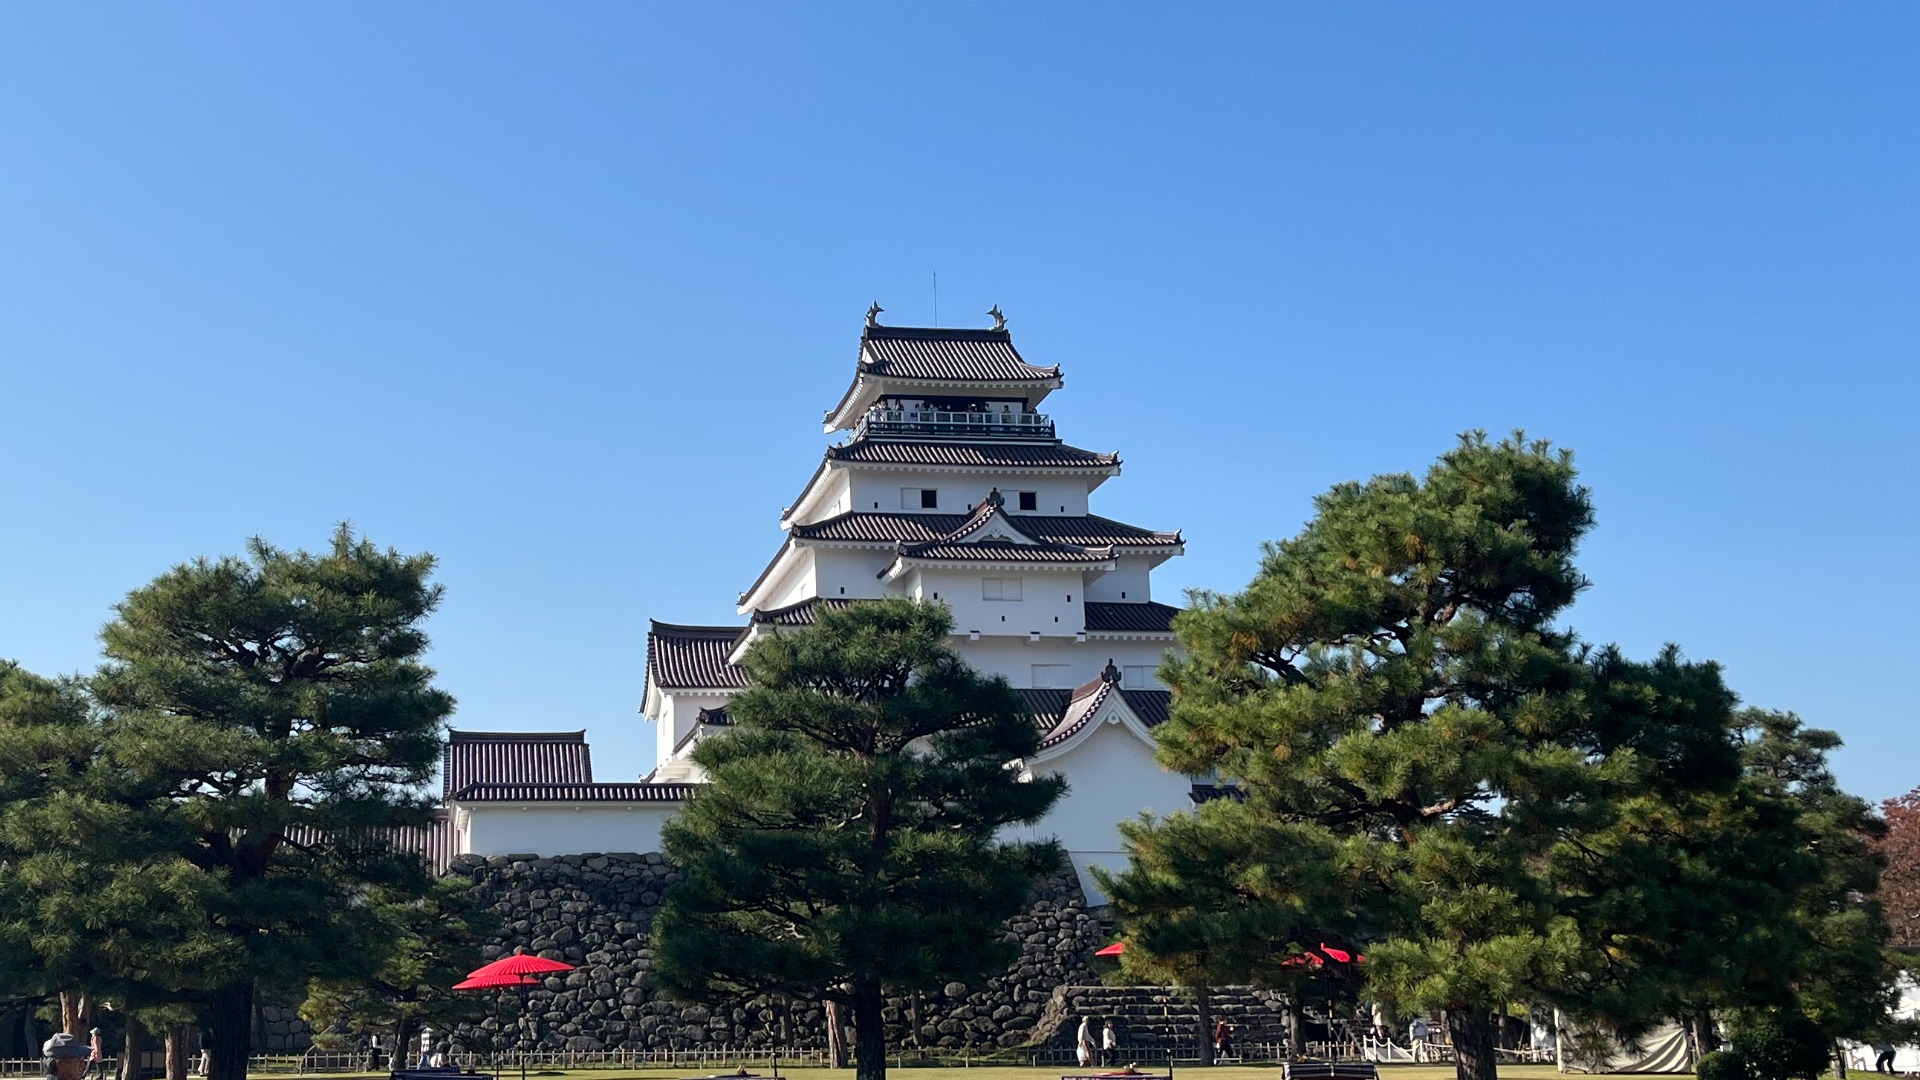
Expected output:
(273, 714)
(1392, 684)
(847, 843)
(1428, 760)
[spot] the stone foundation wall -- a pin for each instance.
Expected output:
(596, 911)
(1160, 1017)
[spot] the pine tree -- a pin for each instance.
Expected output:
(432, 940)
(1392, 683)
(276, 712)
(1224, 896)
(846, 844)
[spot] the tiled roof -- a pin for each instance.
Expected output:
(434, 843)
(1007, 551)
(502, 757)
(800, 614)
(1060, 714)
(909, 352)
(577, 793)
(974, 455)
(692, 657)
(1151, 706)
(1147, 618)
(887, 528)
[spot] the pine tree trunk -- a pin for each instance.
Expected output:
(1296, 1039)
(836, 1037)
(1471, 1031)
(1203, 1005)
(869, 1031)
(1839, 1061)
(177, 1051)
(232, 1016)
(76, 1013)
(1704, 1038)
(130, 1048)
(404, 1032)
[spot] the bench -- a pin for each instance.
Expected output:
(1330, 1070)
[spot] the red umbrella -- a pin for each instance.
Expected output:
(1114, 949)
(496, 981)
(519, 964)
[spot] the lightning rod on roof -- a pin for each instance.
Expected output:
(936, 298)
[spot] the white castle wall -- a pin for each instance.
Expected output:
(550, 829)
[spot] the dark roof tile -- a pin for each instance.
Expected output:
(1147, 618)
(971, 455)
(503, 757)
(693, 657)
(887, 528)
(908, 352)
(634, 792)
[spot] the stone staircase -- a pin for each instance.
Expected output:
(1156, 1017)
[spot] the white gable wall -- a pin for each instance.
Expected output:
(1013, 659)
(1111, 777)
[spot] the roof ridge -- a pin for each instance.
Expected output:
(692, 629)
(456, 735)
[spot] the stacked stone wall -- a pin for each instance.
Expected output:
(1160, 1018)
(596, 911)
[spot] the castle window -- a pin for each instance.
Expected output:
(1137, 676)
(1029, 500)
(1053, 676)
(919, 498)
(994, 588)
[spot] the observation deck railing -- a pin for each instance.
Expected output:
(950, 423)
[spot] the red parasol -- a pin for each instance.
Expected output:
(1114, 949)
(519, 964)
(496, 981)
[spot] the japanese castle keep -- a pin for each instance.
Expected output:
(949, 483)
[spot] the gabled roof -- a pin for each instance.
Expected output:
(1147, 618)
(1084, 702)
(632, 792)
(509, 757)
(946, 353)
(879, 527)
(692, 657)
(1002, 551)
(971, 455)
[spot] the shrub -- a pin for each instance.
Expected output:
(1780, 1045)
(1722, 1065)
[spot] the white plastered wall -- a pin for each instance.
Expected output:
(1111, 777)
(1014, 658)
(548, 829)
(1127, 583)
(1051, 600)
(851, 573)
(679, 712)
(879, 491)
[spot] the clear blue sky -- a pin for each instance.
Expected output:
(559, 292)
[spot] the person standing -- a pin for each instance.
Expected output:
(1223, 1041)
(1083, 1047)
(1417, 1033)
(65, 1057)
(1883, 1063)
(1109, 1042)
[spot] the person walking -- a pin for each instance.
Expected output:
(1083, 1046)
(1417, 1033)
(1883, 1063)
(1109, 1042)
(1222, 1041)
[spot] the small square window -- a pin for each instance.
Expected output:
(1137, 676)
(929, 498)
(1000, 588)
(919, 498)
(1029, 500)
